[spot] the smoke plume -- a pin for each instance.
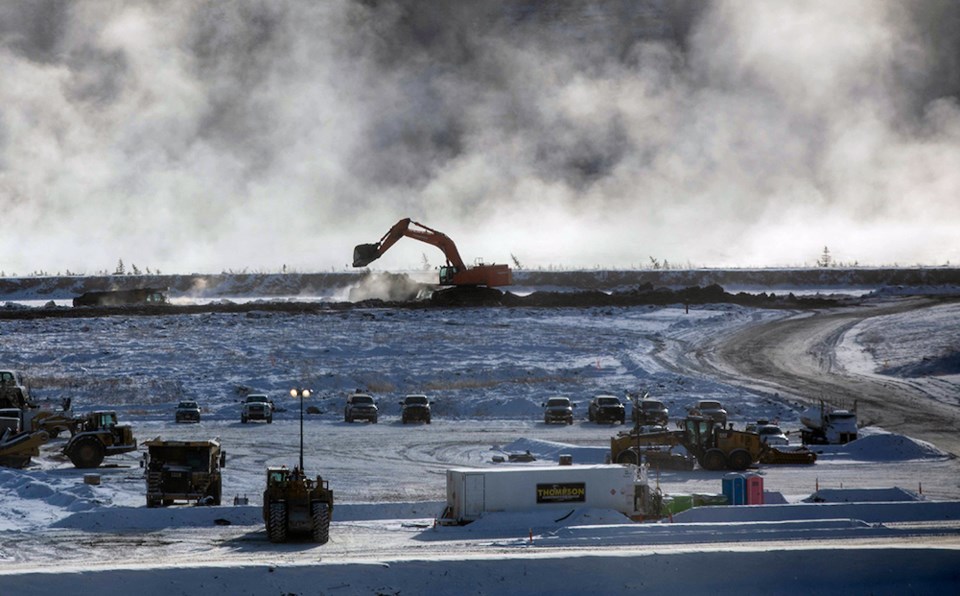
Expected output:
(191, 136)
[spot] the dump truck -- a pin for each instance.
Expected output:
(294, 504)
(98, 435)
(713, 446)
(183, 471)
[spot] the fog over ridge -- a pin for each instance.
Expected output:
(204, 136)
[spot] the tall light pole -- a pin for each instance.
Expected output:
(301, 393)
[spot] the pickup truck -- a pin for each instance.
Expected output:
(257, 407)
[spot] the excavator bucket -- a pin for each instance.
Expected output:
(364, 254)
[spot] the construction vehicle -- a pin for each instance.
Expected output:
(480, 278)
(257, 407)
(825, 425)
(713, 446)
(98, 435)
(133, 297)
(16, 449)
(13, 391)
(32, 417)
(294, 504)
(183, 471)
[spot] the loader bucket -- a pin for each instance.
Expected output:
(364, 254)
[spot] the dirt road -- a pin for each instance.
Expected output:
(796, 356)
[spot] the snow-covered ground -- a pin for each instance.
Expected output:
(487, 370)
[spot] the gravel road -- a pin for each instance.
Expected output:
(796, 357)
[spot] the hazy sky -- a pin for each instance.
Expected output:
(210, 136)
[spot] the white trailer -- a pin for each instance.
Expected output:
(473, 492)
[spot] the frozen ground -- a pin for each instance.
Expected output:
(487, 370)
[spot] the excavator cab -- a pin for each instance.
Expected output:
(446, 275)
(364, 254)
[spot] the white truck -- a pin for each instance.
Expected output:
(474, 492)
(825, 425)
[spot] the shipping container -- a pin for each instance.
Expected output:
(473, 492)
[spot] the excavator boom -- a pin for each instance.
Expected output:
(455, 273)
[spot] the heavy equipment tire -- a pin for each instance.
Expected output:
(713, 459)
(628, 456)
(739, 460)
(277, 522)
(87, 453)
(320, 512)
(215, 493)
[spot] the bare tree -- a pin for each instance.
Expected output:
(825, 259)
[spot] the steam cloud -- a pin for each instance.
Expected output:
(204, 136)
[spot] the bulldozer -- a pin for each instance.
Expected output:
(97, 435)
(295, 504)
(713, 446)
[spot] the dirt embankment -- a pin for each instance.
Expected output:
(642, 295)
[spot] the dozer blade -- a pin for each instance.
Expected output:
(796, 457)
(364, 254)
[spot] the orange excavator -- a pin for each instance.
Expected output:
(454, 273)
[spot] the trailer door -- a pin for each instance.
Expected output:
(473, 496)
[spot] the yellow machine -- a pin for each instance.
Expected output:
(713, 446)
(295, 504)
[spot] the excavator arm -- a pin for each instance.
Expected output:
(364, 254)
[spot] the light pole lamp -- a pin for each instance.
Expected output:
(301, 393)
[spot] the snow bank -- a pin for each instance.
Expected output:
(867, 512)
(550, 451)
(543, 521)
(734, 572)
(111, 519)
(880, 446)
(861, 495)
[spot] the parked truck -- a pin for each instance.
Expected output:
(474, 492)
(826, 425)
(183, 471)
